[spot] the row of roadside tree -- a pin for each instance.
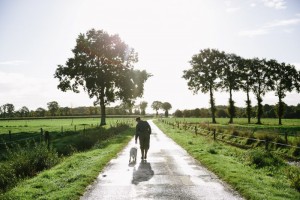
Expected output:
(213, 70)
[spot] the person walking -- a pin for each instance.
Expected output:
(143, 131)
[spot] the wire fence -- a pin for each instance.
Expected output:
(204, 129)
(6, 139)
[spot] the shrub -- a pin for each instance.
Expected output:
(250, 139)
(293, 173)
(235, 133)
(297, 150)
(32, 158)
(7, 176)
(261, 158)
(212, 151)
(26, 161)
(266, 136)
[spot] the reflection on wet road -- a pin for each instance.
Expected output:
(143, 173)
(168, 173)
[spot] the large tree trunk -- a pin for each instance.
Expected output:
(259, 108)
(248, 102)
(166, 113)
(280, 110)
(212, 106)
(102, 109)
(231, 107)
(103, 117)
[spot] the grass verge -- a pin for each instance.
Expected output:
(234, 166)
(69, 179)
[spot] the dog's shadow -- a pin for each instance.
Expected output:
(143, 173)
(132, 163)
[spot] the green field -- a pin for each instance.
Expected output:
(244, 121)
(52, 125)
(289, 126)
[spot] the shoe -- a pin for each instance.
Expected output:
(142, 158)
(145, 157)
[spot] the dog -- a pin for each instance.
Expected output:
(133, 154)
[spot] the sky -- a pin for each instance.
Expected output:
(36, 36)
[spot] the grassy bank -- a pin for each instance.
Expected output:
(70, 177)
(255, 174)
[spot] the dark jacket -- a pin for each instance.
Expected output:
(142, 129)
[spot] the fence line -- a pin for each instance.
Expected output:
(19, 140)
(118, 123)
(266, 141)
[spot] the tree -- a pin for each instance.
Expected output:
(261, 83)
(127, 106)
(166, 106)
(65, 111)
(205, 73)
(284, 79)
(53, 107)
(196, 112)
(103, 66)
(222, 113)
(178, 113)
(8, 110)
(1, 111)
(24, 111)
(246, 83)
(40, 112)
(143, 105)
(156, 105)
(230, 80)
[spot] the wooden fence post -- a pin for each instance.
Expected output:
(47, 138)
(267, 144)
(196, 130)
(286, 137)
(214, 132)
(9, 133)
(42, 132)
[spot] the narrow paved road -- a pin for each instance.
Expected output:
(169, 173)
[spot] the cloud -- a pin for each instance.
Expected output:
(34, 92)
(288, 22)
(18, 84)
(276, 4)
(13, 62)
(253, 33)
(266, 29)
(232, 9)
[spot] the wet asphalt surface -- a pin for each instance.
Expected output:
(168, 173)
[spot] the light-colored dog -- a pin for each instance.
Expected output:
(133, 154)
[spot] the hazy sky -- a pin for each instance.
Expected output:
(36, 36)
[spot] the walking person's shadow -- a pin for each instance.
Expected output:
(143, 173)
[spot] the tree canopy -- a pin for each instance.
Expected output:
(166, 106)
(156, 105)
(204, 74)
(103, 66)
